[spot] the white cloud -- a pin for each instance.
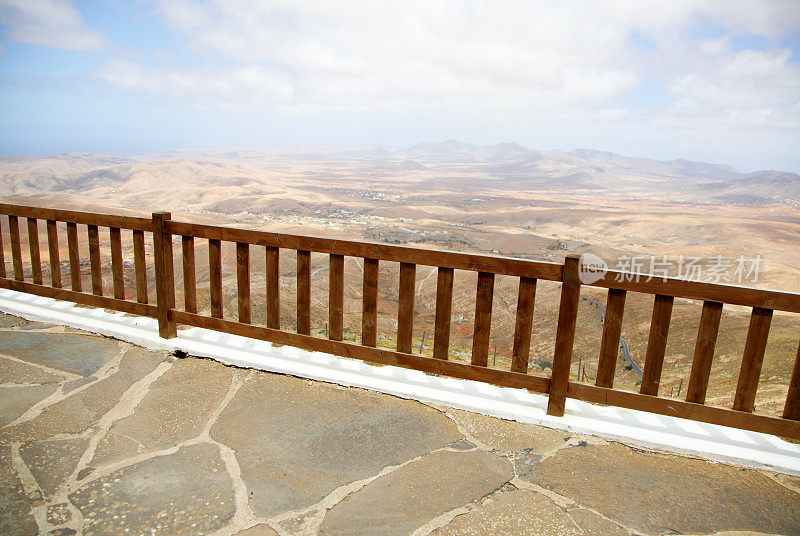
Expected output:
(50, 23)
(568, 67)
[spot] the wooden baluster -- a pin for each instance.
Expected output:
(33, 246)
(273, 292)
(74, 257)
(704, 352)
(336, 297)
(189, 277)
(565, 336)
(52, 253)
(115, 237)
(2, 253)
(243, 280)
(304, 292)
(483, 319)
(609, 345)
(369, 307)
(140, 266)
(94, 260)
(524, 322)
(165, 276)
(215, 276)
(791, 410)
(16, 252)
(444, 307)
(753, 357)
(656, 344)
(405, 306)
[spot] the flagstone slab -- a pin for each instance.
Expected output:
(188, 492)
(664, 494)
(178, 404)
(513, 513)
(51, 462)
(15, 401)
(410, 496)
(12, 371)
(114, 448)
(508, 436)
(305, 439)
(79, 354)
(79, 411)
(15, 507)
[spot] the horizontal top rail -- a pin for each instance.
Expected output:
(73, 216)
(372, 250)
(700, 290)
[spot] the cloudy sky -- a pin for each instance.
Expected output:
(713, 81)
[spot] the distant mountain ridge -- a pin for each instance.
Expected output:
(505, 164)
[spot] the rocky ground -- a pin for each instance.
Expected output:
(101, 437)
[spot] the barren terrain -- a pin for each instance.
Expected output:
(504, 199)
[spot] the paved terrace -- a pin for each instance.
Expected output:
(98, 436)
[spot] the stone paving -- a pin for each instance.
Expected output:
(100, 437)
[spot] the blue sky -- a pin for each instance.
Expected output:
(713, 81)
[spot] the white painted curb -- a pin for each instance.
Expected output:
(714, 442)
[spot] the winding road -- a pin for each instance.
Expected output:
(626, 355)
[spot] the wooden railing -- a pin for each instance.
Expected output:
(558, 386)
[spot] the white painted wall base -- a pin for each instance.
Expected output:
(671, 434)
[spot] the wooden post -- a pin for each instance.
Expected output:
(140, 266)
(189, 276)
(609, 345)
(405, 307)
(16, 252)
(215, 277)
(369, 306)
(74, 256)
(273, 292)
(483, 318)
(444, 304)
(656, 344)
(753, 357)
(335, 298)
(94, 260)
(165, 281)
(524, 322)
(704, 352)
(243, 280)
(33, 246)
(791, 410)
(2, 255)
(52, 250)
(565, 336)
(115, 237)
(304, 292)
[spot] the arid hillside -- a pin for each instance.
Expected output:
(504, 199)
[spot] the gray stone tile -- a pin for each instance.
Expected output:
(257, 530)
(15, 508)
(17, 372)
(15, 401)
(75, 414)
(508, 436)
(80, 354)
(51, 462)
(114, 448)
(513, 513)
(188, 492)
(296, 441)
(178, 405)
(656, 494)
(412, 495)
